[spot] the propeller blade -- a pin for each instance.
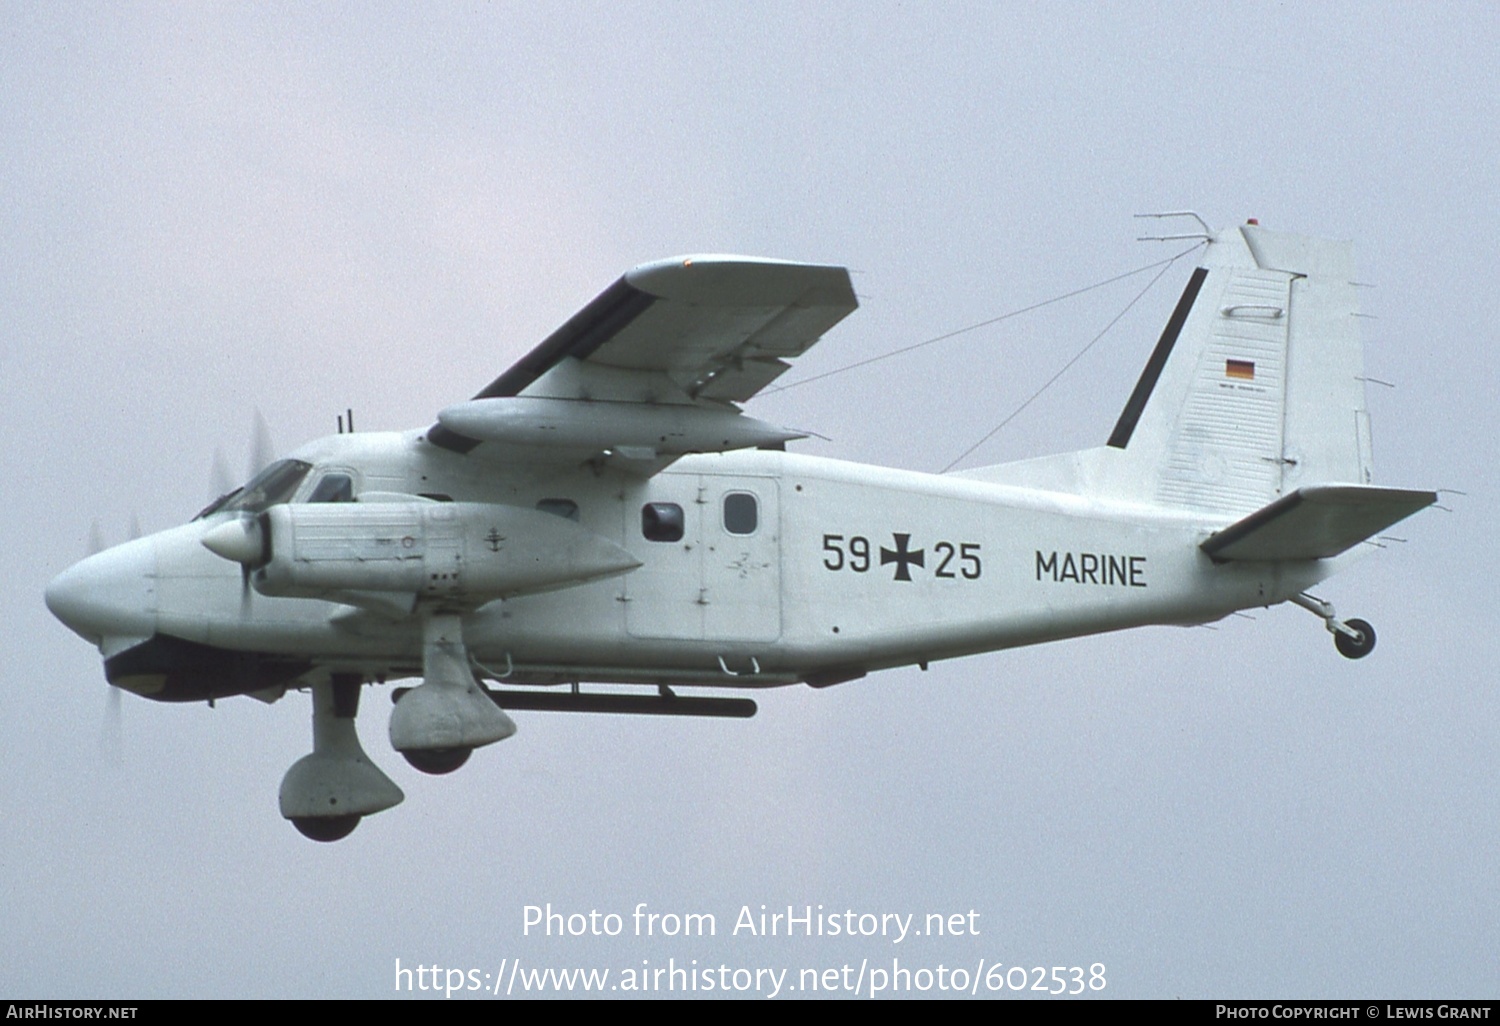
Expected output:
(220, 477)
(111, 732)
(240, 541)
(135, 526)
(261, 449)
(96, 539)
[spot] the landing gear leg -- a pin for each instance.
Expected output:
(325, 794)
(1354, 639)
(436, 726)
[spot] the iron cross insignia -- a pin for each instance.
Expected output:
(901, 557)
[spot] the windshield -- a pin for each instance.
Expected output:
(274, 484)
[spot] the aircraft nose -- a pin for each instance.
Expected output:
(109, 595)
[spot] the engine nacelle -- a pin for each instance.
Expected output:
(458, 551)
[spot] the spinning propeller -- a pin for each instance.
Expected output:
(111, 731)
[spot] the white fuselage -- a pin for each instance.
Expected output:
(847, 568)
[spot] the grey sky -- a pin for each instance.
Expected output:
(211, 209)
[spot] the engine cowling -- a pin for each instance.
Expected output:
(452, 551)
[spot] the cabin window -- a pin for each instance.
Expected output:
(333, 488)
(565, 508)
(662, 521)
(741, 513)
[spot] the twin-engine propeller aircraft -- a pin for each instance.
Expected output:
(603, 512)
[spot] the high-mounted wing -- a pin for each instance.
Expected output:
(653, 366)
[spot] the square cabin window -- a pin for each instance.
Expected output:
(741, 513)
(662, 521)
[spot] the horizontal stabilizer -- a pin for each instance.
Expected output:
(1317, 522)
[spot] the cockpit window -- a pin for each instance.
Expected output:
(274, 484)
(333, 488)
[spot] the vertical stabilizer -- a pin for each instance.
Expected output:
(1255, 387)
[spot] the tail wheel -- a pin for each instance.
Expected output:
(1355, 648)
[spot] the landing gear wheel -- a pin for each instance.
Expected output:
(437, 761)
(326, 828)
(1355, 648)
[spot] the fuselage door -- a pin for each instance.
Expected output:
(741, 559)
(711, 560)
(663, 529)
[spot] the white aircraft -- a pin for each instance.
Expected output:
(603, 512)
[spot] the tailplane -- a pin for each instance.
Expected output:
(1316, 522)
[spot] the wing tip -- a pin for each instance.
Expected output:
(732, 279)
